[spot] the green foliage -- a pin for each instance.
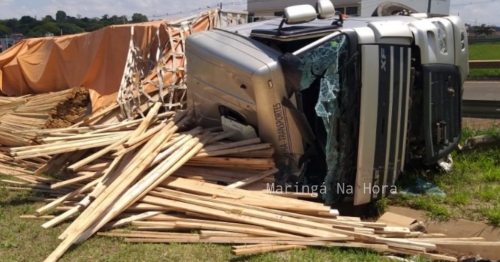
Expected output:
(5, 30)
(62, 23)
(60, 16)
(138, 18)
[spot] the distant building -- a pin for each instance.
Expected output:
(348, 7)
(6, 43)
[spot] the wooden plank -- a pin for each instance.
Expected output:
(264, 249)
(217, 190)
(252, 179)
(229, 212)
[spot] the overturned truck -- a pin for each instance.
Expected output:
(347, 103)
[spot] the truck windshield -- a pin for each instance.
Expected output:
(319, 67)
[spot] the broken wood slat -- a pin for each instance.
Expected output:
(151, 180)
(263, 249)
(377, 247)
(223, 146)
(211, 233)
(133, 170)
(162, 235)
(262, 164)
(407, 242)
(60, 200)
(98, 154)
(101, 192)
(252, 179)
(254, 212)
(65, 147)
(231, 151)
(36, 217)
(267, 208)
(446, 239)
(239, 217)
(192, 224)
(216, 174)
(196, 223)
(426, 255)
(130, 219)
(217, 190)
(75, 180)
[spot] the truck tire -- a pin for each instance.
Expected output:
(392, 8)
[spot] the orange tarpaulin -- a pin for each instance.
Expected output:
(93, 60)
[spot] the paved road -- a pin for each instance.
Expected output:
(482, 90)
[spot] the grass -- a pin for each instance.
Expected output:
(472, 188)
(484, 51)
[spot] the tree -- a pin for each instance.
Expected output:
(484, 29)
(69, 28)
(13, 24)
(5, 30)
(49, 27)
(32, 27)
(60, 16)
(26, 20)
(139, 18)
(48, 18)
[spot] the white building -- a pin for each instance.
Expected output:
(349, 7)
(6, 43)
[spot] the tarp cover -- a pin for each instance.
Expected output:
(93, 60)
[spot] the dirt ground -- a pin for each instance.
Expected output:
(69, 112)
(457, 229)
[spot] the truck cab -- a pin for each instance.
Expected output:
(346, 103)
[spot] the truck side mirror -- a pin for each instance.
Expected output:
(298, 14)
(325, 9)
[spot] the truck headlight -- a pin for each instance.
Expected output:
(441, 38)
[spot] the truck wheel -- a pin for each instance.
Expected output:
(392, 8)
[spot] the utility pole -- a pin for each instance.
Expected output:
(429, 7)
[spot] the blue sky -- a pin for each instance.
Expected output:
(471, 11)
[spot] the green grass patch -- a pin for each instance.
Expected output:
(484, 51)
(472, 188)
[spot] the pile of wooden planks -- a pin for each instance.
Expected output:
(165, 178)
(38, 111)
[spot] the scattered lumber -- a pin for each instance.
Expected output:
(39, 111)
(172, 181)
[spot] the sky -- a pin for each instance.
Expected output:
(471, 11)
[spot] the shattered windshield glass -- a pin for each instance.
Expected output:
(322, 63)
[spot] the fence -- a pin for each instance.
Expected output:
(482, 108)
(484, 40)
(484, 63)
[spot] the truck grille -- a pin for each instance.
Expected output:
(392, 117)
(383, 120)
(442, 110)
